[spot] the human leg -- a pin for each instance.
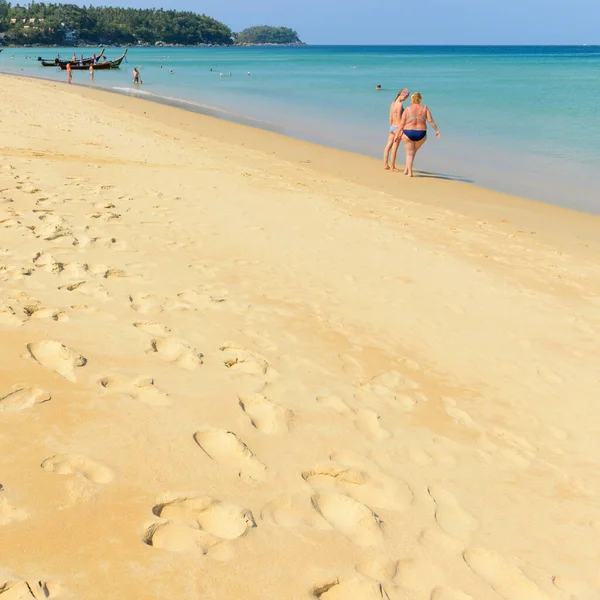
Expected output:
(409, 146)
(417, 146)
(394, 153)
(386, 151)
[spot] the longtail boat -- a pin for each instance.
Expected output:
(109, 64)
(57, 62)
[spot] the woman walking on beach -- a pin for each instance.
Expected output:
(396, 110)
(413, 129)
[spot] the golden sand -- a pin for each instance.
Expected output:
(236, 365)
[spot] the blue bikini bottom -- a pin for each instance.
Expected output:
(415, 135)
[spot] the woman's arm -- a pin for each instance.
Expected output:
(429, 117)
(401, 126)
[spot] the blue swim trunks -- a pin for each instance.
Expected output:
(393, 128)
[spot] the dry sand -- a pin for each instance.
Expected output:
(236, 365)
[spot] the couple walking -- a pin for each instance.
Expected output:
(410, 126)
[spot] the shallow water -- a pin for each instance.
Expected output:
(523, 120)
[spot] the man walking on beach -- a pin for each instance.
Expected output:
(69, 73)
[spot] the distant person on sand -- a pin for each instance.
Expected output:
(91, 72)
(69, 73)
(413, 129)
(396, 110)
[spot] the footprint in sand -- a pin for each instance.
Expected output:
(505, 578)
(226, 448)
(176, 351)
(39, 311)
(152, 328)
(221, 519)
(351, 366)
(241, 360)
(190, 300)
(197, 523)
(47, 262)
(106, 217)
(52, 228)
(456, 414)
(23, 398)
(177, 537)
(450, 516)
(292, 512)
(352, 589)
(16, 589)
(372, 489)
(89, 288)
(350, 517)
(367, 422)
(143, 390)
(387, 386)
(145, 304)
(268, 417)
(57, 357)
(14, 273)
(380, 569)
(9, 514)
(9, 316)
(77, 464)
(335, 403)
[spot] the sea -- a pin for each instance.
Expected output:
(518, 119)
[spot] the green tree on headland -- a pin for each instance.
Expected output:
(41, 23)
(264, 34)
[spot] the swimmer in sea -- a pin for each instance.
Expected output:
(396, 110)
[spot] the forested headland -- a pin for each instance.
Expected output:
(263, 34)
(43, 23)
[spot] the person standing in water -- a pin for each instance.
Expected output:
(92, 72)
(396, 110)
(69, 73)
(413, 129)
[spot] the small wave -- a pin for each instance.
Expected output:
(200, 106)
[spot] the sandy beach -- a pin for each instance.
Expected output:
(238, 365)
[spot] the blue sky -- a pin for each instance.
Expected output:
(381, 21)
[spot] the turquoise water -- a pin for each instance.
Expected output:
(524, 120)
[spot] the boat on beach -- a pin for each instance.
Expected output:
(57, 62)
(109, 64)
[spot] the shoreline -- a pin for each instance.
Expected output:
(483, 158)
(233, 119)
(224, 349)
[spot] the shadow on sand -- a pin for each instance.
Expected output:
(432, 175)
